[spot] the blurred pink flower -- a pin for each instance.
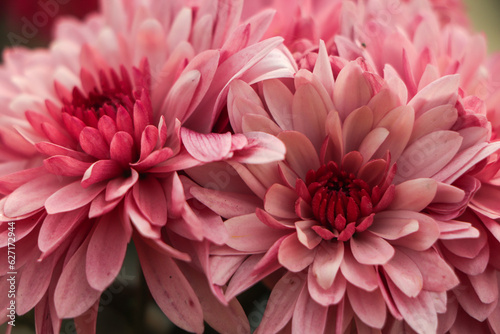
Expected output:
(369, 184)
(95, 131)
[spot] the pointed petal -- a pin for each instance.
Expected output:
(370, 249)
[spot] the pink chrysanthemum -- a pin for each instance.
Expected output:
(370, 182)
(93, 137)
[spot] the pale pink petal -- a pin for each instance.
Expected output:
(326, 297)
(356, 127)
(425, 158)
(372, 142)
(280, 201)
(363, 276)
(72, 197)
(301, 154)
(306, 235)
(279, 101)
(392, 228)
(327, 262)
(370, 249)
(369, 306)
(418, 312)
(323, 69)
(280, 307)
(32, 195)
(436, 273)
(308, 316)
(105, 255)
(261, 148)
(309, 114)
(351, 90)
(413, 195)
(405, 274)
(293, 255)
(440, 92)
(170, 289)
(439, 118)
(206, 147)
(247, 233)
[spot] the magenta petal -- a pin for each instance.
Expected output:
(170, 289)
(93, 143)
(293, 255)
(150, 199)
(72, 197)
(281, 303)
(119, 186)
(122, 148)
(206, 147)
(65, 166)
(73, 294)
(308, 316)
(101, 170)
(31, 196)
(105, 254)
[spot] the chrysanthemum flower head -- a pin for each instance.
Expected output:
(370, 182)
(94, 133)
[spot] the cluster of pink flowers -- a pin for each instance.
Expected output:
(343, 153)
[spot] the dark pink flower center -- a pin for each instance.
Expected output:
(341, 202)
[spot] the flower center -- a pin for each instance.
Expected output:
(100, 102)
(341, 202)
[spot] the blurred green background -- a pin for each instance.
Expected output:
(485, 16)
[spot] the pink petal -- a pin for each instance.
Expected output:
(31, 196)
(121, 148)
(170, 289)
(206, 147)
(279, 101)
(308, 316)
(88, 320)
(73, 294)
(440, 92)
(327, 262)
(100, 170)
(436, 273)
(301, 154)
(413, 195)
(143, 225)
(242, 100)
(72, 197)
(326, 297)
(369, 306)
(405, 274)
(151, 200)
(485, 285)
(392, 228)
(439, 118)
(356, 127)
(351, 89)
(280, 201)
(65, 166)
(247, 233)
(309, 114)
(281, 304)
(418, 312)
(57, 227)
(93, 143)
(372, 142)
(226, 204)
(370, 249)
(149, 139)
(107, 128)
(105, 255)
(428, 155)
(293, 255)
(262, 148)
(363, 276)
(119, 186)
(306, 235)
